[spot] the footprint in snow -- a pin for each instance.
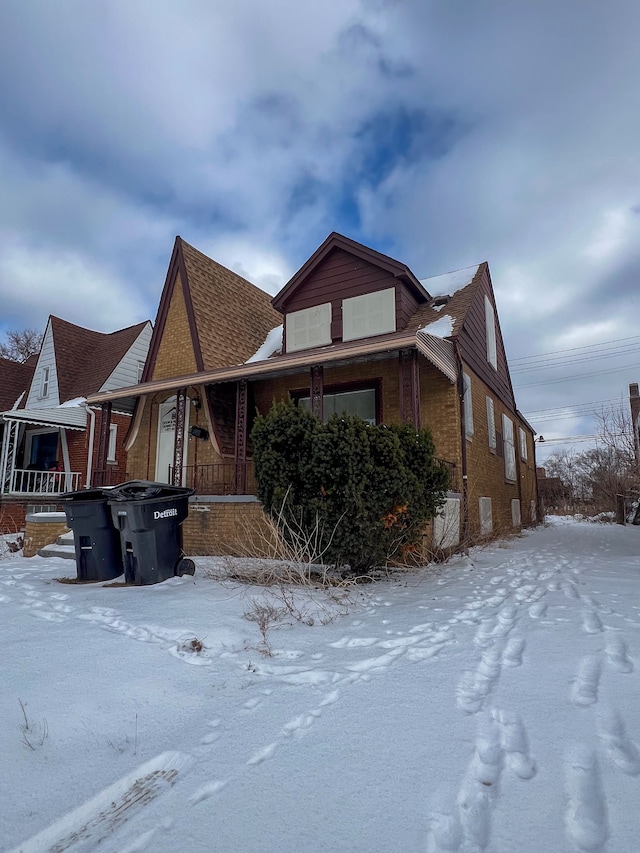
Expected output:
(584, 690)
(586, 811)
(616, 650)
(622, 750)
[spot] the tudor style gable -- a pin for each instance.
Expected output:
(347, 292)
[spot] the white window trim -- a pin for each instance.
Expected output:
(46, 381)
(490, 322)
(113, 438)
(468, 406)
(491, 424)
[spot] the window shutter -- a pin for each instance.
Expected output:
(509, 449)
(468, 406)
(491, 423)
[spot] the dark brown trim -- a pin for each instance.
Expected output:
(241, 436)
(103, 436)
(161, 316)
(335, 240)
(317, 391)
(186, 292)
(409, 382)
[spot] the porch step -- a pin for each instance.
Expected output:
(63, 547)
(66, 551)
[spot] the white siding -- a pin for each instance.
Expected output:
(369, 314)
(126, 372)
(47, 358)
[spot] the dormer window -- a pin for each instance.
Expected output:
(370, 314)
(44, 386)
(309, 328)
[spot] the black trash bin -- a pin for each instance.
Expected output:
(148, 517)
(95, 539)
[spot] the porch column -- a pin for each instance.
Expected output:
(103, 444)
(409, 387)
(178, 447)
(317, 391)
(242, 396)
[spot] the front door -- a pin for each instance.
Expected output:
(167, 439)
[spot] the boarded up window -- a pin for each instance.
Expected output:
(370, 314)
(509, 449)
(446, 524)
(534, 512)
(308, 328)
(491, 424)
(515, 512)
(486, 516)
(523, 444)
(113, 435)
(490, 317)
(468, 406)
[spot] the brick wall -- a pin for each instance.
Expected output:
(13, 511)
(42, 529)
(225, 527)
(175, 355)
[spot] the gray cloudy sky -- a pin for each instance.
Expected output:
(443, 132)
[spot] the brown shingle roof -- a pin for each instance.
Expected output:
(232, 316)
(85, 359)
(15, 378)
(457, 307)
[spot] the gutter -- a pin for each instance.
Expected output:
(92, 430)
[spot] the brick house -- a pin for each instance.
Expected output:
(49, 436)
(354, 331)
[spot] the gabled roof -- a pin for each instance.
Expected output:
(228, 316)
(85, 359)
(461, 286)
(15, 379)
(338, 241)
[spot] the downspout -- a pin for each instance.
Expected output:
(463, 439)
(92, 430)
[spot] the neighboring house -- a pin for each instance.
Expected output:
(49, 435)
(353, 331)
(552, 491)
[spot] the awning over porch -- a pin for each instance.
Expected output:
(67, 417)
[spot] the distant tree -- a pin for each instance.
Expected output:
(20, 344)
(599, 474)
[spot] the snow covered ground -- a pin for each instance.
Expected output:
(493, 705)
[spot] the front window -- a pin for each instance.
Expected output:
(310, 327)
(361, 402)
(369, 314)
(44, 387)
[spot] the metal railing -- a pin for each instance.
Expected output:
(25, 482)
(454, 484)
(222, 478)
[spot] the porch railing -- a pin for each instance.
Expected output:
(222, 478)
(25, 482)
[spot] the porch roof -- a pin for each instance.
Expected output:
(438, 351)
(68, 417)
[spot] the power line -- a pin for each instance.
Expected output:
(549, 365)
(574, 349)
(566, 406)
(580, 376)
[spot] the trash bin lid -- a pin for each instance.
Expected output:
(142, 490)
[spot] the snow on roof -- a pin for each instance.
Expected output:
(271, 345)
(77, 401)
(440, 328)
(449, 282)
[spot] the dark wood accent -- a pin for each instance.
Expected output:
(472, 344)
(176, 265)
(406, 306)
(409, 387)
(241, 436)
(178, 447)
(103, 436)
(317, 390)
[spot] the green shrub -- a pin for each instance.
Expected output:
(369, 490)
